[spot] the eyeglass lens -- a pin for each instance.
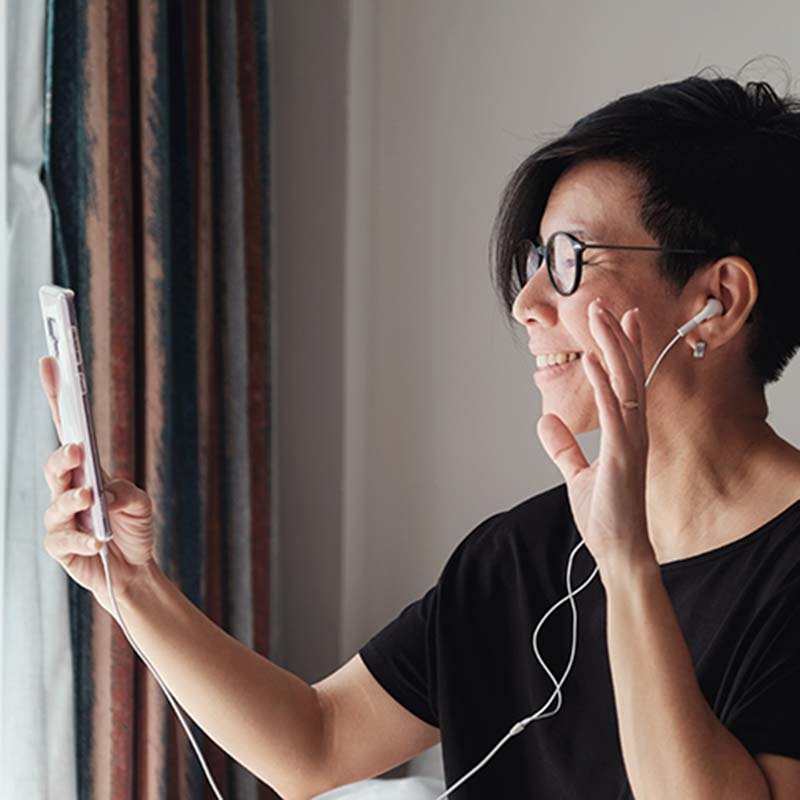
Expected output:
(561, 257)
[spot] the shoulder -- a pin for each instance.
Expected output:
(536, 525)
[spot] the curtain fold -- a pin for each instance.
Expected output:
(158, 155)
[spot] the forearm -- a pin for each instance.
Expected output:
(672, 743)
(268, 719)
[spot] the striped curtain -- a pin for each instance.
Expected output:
(157, 169)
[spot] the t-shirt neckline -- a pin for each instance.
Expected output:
(725, 549)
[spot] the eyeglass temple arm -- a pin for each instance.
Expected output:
(630, 247)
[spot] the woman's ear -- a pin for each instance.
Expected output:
(733, 281)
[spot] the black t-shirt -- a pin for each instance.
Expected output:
(460, 657)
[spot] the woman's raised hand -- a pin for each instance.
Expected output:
(607, 497)
(130, 512)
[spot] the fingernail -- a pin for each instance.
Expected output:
(77, 493)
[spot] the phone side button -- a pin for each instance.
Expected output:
(83, 383)
(77, 343)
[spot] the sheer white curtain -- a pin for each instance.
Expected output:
(37, 748)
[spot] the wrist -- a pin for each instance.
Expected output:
(142, 586)
(622, 570)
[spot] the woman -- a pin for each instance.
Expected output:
(684, 682)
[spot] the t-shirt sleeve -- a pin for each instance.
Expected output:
(402, 656)
(766, 711)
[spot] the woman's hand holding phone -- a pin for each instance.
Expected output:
(130, 552)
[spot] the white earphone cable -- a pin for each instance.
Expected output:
(104, 558)
(518, 727)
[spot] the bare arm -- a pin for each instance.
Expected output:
(302, 740)
(367, 730)
(265, 717)
(673, 744)
(297, 738)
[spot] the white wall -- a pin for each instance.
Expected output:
(438, 407)
(309, 94)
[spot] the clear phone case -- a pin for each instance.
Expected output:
(63, 343)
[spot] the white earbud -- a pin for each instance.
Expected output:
(712, 308)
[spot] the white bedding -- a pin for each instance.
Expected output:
(415, 788)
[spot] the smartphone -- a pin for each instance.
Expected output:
(64, 345)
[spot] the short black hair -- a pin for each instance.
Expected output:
(721, 169)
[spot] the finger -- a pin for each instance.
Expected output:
(629, 342)
(612, 424)
(619, 372)
(64, 543)
(633, 334)
(59, 467)
(48, 374)
(62, 511)
(560, 444)
(128, 498)
(633, 387)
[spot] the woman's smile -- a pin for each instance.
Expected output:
(554, 371)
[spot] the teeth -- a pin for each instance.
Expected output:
(555, 358)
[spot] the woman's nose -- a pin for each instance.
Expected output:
(533, 299)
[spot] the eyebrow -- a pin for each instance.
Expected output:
(581, 233)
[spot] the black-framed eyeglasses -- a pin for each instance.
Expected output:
(563, 254)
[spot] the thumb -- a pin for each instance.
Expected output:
(121, 493)
(561, 446)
